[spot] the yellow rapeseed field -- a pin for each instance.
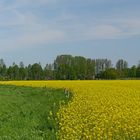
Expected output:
(99, 110)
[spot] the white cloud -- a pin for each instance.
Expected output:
(34, 30)
(41, 37)
(113, 29)
(103, 32)
(32, 39)
(27, 30)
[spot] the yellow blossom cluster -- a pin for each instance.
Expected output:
(99, 110)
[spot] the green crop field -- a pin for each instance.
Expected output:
(29, 113)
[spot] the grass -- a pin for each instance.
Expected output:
(28, 113)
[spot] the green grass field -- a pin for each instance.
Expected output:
(28, 113)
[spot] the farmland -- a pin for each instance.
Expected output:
(29, 113)
(98, 110)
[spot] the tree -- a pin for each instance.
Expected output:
(138, 72)
(2, 70)
(13, 72)
(29, 72)
(36, 71)
(110, 74)
(102, 65)
(132, 71)
(21, 64)
(48, 72)
(80, 67)
(139, 63)
(67, 67)
(22, 71)
(62, 67)
(121, 64)
(72, 68)
(90, 69)
(10, 73)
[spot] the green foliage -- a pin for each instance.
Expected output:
(121, 64)
(29, 113)
(36, 71)
(67, 67)
(48, 72)
(110, 74)
(72, 68)
(132, 71)
(138, 72)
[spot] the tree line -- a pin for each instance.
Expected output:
(67, 67)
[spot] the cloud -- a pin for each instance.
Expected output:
(32, 40)
(103, 32)
(25, 29)
(113, 29)
(38, 38)
(24, 24)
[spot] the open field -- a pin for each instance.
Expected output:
(99, 110)
(28, 113)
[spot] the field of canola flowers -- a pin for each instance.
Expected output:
(99, 110)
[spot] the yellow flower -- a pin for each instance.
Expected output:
(98, 109)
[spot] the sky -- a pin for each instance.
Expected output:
(38, 30)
